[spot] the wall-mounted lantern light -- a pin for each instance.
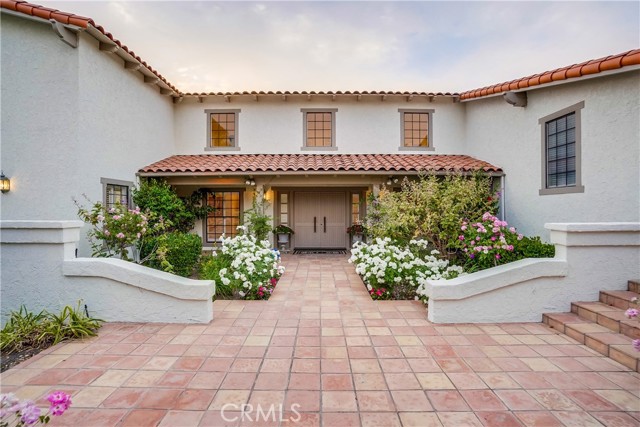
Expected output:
(5, 183)
(250, 182)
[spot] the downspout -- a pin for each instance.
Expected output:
(502, 198)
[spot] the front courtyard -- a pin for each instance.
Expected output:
(323, 353)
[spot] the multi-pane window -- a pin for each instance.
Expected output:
(355, 208)
(116, 194)
(223, 129)
(319, 127)
(416, 129)
(225, 216)
(561, 151)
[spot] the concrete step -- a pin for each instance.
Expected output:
(612, 318)
(620, 299)
(596, 336)
(634, 286)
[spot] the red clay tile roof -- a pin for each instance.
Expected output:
(250, 163)
(371, 92)
(594, 66)
(77, 20)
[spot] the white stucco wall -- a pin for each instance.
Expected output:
(38, 269)
(272, 125)
(510, 137)
(69, 118)
(590, 257)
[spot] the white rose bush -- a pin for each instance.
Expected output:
(393, 271)
(243, 267)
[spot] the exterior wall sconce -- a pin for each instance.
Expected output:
(391, 180)
(250, 182)
(5, 183)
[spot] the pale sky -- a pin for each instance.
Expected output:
(426, 46)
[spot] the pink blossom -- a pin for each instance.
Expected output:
(512, 229)
(107, 232)
(29, 412)
(138, 235)
(120, 235)
(117, 217)
(497, 256)
(495, 229)
(460, 237)
(520, 236)
(636, 345)
(493, 239)
(487, 216)
(100, 218)
(273, 281)
(59, 397)
(463, 228)
(631, 313)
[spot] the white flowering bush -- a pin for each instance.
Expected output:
(243, 267)
(402, 271)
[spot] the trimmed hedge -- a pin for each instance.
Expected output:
(177, 252)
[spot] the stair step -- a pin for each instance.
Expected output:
(604, 315)
(596, 336)
(620, 299)
(634, 286)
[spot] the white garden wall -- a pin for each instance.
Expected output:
(40, 271)
(589, 257)
(510, 137)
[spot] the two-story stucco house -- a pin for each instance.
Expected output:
(82, 114)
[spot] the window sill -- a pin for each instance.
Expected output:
(221, 148)
(561, 190)
(403, 148)
(319, 148)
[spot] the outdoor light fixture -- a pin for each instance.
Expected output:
(391, 180)
(5, 183)
(250, 182)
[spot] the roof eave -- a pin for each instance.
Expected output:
(319, 173)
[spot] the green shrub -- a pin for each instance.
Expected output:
(431, 208)
(210, 270)
(160, 198)
(533, 247)
(176, 252)
(258, 223)
(25, 330)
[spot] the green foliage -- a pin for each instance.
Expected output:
(257, 222)
(119, 231)
(430, 208)
(283, 229)
(28, 330)
(533, 247)
(160, 198)
(210, 270)
(176, 252)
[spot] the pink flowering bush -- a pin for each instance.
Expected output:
(119, 231)
(14, 412)
(634, 313)
(491, 242)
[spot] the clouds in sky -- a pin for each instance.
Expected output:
(430, 46)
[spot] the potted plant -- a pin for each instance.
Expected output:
(356, 231)
(283, 232)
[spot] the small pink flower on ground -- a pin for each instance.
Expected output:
(120, 235)
(30, 413)
(273, 281)
(636, 345)
(632, 312)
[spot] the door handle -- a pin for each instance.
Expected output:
(325, 224)
(314, 224)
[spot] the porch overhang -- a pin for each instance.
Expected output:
(220, 165)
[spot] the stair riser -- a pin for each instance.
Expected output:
(615, 301)
(634, 286)
(630, 330)
(558, 326)
(624, 359)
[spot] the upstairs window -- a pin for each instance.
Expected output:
(415, 129)
(319, 129)
(222, 129)
(561, 152)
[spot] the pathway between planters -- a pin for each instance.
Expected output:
(328, 355)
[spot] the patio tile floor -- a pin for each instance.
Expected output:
(321, 348)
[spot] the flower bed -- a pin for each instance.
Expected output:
(392, 271)
(243, 268)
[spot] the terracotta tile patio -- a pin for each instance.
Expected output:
(323, 345)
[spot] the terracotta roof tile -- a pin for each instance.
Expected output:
(594, 66)
(312, 92)
(253, 163)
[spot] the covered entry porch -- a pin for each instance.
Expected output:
(318, 196)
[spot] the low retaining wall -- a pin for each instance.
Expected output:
(589, 257)
(39, 270)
